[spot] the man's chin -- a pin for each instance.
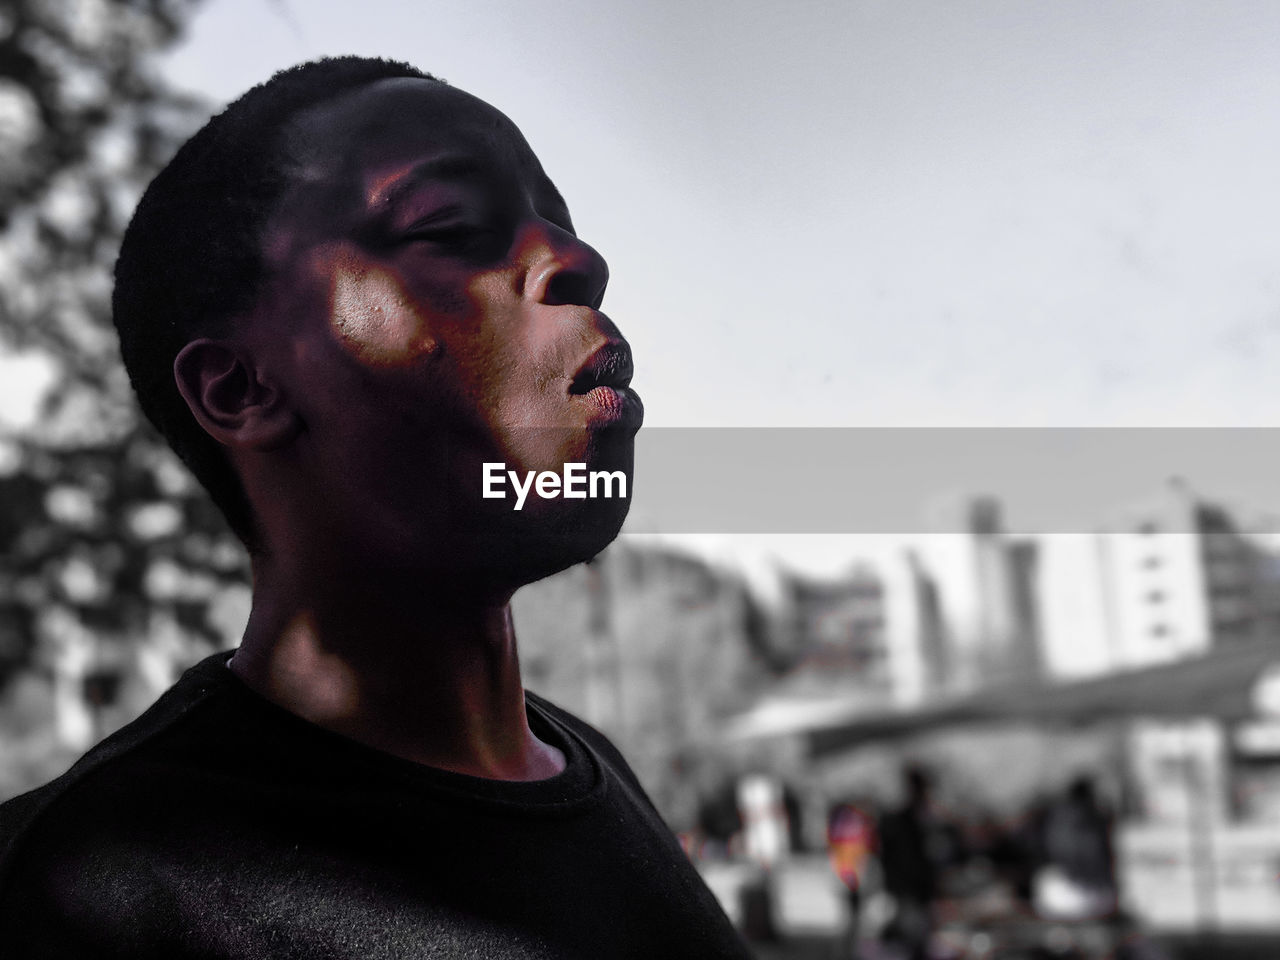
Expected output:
(566, 541)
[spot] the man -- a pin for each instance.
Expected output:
(346, 295)
(914, 848)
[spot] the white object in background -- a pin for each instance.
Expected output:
(764, 819)
(1266, 692)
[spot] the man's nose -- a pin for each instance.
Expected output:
(565, 270)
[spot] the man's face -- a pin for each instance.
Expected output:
(441, 313)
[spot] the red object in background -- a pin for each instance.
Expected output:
(851, 836)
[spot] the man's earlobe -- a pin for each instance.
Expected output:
(226, 395)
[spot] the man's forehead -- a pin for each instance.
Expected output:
(387, 128)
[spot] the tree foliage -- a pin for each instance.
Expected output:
(105, 540)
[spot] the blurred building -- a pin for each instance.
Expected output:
(1166, 578)
(977, 591)
(836, 632)
(654, 647)
(1182, 580)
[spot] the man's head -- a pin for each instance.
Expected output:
(918, 782)
(350, 290)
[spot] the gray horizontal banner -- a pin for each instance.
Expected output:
(927, 480)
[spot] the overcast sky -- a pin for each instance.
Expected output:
(878, 213)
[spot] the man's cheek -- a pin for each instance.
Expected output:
(374, 320)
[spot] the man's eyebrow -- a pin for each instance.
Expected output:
(387, 191)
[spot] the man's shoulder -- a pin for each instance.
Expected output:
(99, 795)
(69, 855)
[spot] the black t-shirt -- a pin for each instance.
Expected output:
(220, 825)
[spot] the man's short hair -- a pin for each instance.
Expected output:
(191, 259)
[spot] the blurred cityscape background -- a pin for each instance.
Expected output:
(967, 744)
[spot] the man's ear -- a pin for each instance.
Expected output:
(226, 395)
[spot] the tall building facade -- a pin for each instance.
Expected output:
(1165, 578)
(979, 590)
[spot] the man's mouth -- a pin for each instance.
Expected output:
(604, 381)
(610, 368)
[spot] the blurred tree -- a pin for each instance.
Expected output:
(113, 563)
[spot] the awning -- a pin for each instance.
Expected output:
(1222, 683)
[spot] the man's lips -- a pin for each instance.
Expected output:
(603, 382)
(617, 406)
(609, 367)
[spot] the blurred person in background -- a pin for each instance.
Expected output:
(719, 820)
(343, 297)
(851, 842)
(914, 847)
(1078, 877)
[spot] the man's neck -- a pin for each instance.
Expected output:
(421, 678)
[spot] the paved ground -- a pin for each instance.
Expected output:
(1225, 947)
(1204, 948)
(803, 948)
(809, 912)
